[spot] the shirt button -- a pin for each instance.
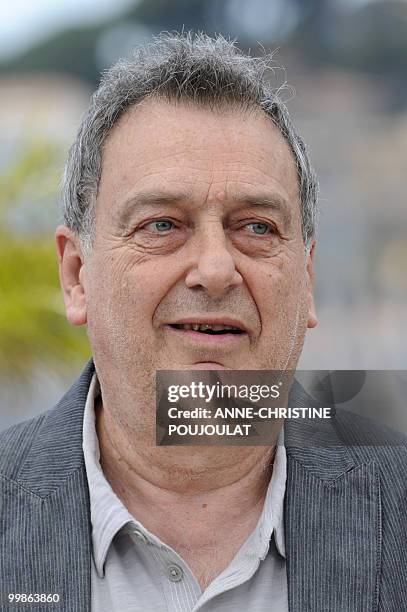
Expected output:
(175, 573)
(140, 536)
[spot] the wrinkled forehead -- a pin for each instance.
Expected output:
(160, 144)
(153, 118)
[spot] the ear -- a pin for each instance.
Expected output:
(312, 317)
(71, 269)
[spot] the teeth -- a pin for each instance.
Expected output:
(206, 326)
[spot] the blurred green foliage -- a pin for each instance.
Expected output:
(33, 327)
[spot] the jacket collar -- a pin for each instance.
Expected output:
(317, 443)
(56, 452)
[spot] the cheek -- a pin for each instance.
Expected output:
(279, 292)
(122, 296)
(283, 309)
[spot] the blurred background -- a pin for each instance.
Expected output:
(346, 64)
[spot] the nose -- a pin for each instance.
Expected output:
(214, 268)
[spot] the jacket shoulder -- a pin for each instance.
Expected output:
(15, 444)
(42, 452)
(368, 440)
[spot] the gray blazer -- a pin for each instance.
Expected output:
(345, 514)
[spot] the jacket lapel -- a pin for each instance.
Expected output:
(332, 522)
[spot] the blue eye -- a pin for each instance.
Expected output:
(259, 228)
(163, 225)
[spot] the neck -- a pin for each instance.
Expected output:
(200, 485)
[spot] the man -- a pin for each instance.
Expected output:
(188, 243)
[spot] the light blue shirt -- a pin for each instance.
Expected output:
(133, 570)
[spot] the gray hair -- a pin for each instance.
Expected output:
(195, 68)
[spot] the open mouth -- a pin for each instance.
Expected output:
(205, 328)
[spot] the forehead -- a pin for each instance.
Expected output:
(159, 145)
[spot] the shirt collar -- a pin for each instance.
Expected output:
(108, 514)
(272, 518)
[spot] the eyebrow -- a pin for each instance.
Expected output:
(273, 202)
(147, 199)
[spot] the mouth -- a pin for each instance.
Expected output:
(208, 328)
(209, 332)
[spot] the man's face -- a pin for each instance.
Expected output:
(197, 222)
